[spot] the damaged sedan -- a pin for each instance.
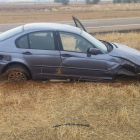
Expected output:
(59, 51)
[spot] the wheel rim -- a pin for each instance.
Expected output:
(16, 76)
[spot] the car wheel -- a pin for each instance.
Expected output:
(17, 73)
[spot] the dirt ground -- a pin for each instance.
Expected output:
(37, 110)
(24, 13)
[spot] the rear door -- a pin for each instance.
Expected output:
(40, 52)
(78, 24)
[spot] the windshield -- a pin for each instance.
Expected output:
(94, 41)
(10, 33)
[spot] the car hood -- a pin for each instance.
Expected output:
(125, 52)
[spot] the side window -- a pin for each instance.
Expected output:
(42, 41)
(23, 42)
(73, 42)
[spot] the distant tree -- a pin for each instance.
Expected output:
(92, 1)
(119, 1)
(57, 1)
(65, 2)
(135, 1)
(87, 1)
(125, 1)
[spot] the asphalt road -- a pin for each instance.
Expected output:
(94, 26)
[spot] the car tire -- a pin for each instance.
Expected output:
(17, 73)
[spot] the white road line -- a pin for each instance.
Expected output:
(114, 26)
(113, 19)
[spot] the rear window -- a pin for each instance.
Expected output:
(11, 33)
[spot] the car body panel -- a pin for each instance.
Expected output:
(80, 64)
(15, 58)
(42, 61)
(126, 52)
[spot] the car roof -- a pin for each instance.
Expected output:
(52, 26)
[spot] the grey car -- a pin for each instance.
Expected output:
(59, 51)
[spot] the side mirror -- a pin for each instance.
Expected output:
(94, 51)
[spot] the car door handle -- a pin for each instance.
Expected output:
(66, 55)
(27, 53)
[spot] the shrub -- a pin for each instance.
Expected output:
(57, 1)
(87, 1)
(135, 1)
(117, 1)
(65, 2)
(92, 1)
(125, 1)
(114, 1)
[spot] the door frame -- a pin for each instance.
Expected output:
(76, 20)
(60, 46)
(61, 52)
(54, 34)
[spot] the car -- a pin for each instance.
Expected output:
(59, 51)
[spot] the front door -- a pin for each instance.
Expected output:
(75, 60)
(39, 50)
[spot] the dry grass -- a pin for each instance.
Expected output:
(72, 7)
(28, 111)
(24, 13)
(131, 39)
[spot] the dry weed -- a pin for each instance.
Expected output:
(25, 13)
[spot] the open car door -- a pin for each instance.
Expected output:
(78, 24)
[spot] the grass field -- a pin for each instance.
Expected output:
(24, 13)
(104, 111)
